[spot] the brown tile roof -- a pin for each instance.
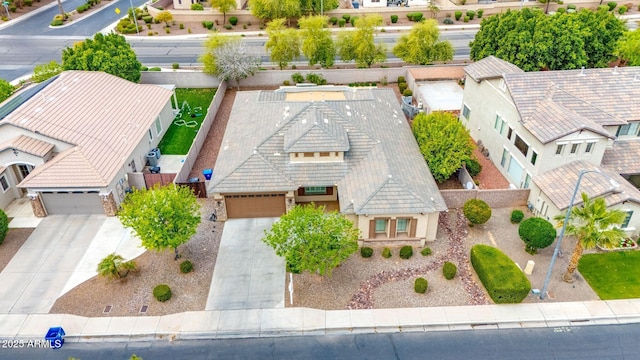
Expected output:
(558, 184)
(489, 68)
(104, 116)
(28, 145)
(623, 156)
(316, 130)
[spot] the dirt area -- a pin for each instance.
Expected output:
(25, 9)
(12, 243)
(490, 177)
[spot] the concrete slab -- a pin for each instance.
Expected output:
(598, 309)
(10, 324)
(409, 317)
(233, 323)
(170, 324)
(37, 325)
(622, 307)
(386, 318)
(96, 327)
(337, 320)
(314, 321)
(282, 321)
(200, 322)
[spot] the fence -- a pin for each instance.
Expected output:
(199, 188)
(151, 179)
(501, 198)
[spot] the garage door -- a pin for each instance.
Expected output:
(72, 203)
(254, 205)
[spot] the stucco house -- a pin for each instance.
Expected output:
(346, 148)
(68, 143)
(543, 127)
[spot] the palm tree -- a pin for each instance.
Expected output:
(592, 224)
(114, 266)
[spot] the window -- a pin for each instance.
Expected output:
(325, 154)
(509, 133)
(402, 225)
(158, 126)
(500, 124)
(521, 145)
(315, 190)
(4, 183)
(627, 219)
(466, 112)
(308, 154)
(381, 225)
(496, 125)
(559, 149)
(150, 135)
(534, 157)
(505, 153)
(574, 148)
(24, 170)
(527, 181)
(502, 85)
(589, 147)
(515, 170)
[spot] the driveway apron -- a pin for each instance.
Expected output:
(248, 274)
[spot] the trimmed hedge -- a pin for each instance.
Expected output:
(449, 270)
(186, 267)
(476, 211)
(4, 225)
(394, 19)
(426, 251)
(473, 166)
(504, 281)
(233, 20)
(366, 252)
(537, 233)
(386, 253)
(420, 285)
(162, 292)
(517, 216)
(406, 252)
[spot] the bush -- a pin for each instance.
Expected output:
(394, 19)
(612, 5)
(407, 92)
(144, 68)
(471, 14)
(449, 270)
(333, 20)
(476, 211)
(4, 225)
(228, 27)
(473, 166)
(366, 252)
(28, 2)
(416, 17)
(571, 7)
(186, 267)
(181, 26)
(162, 292)
(147, 19)
(353, 20)
(420, 285)
(316, 79)
(386, 253)
(622, 9)
(286, 83)
(82, 8)
(517, 216)
(401, 79)
(207, 24)
(342, 22)
(457, 15)
(233, 20)
(155, 69)
(466, 19)
(346, 17)
(480, 12)
(297, 78)
(561, 10)
(175, 66)
(426, 251)
(503, 280)
(167, 30)
(406, 252)
(402, 87)
(447, 21)
(537, 233)
(57, 22)
(197, 7)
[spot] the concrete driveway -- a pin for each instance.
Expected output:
(248, 273)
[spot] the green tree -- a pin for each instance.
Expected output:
(628, 48)
(46, 71)
(314, 7)
(311, 240)
(6, 89)
(113, 266)
(109, 53)
(283, 43)
(359, 45)
(422, 45)
(164, 16)
(592, 224)
(602, 31)
(444, 143)
(537, 233)
(4, 225)
(162, 217)
(228, 58)
(274, 9)
(476, 211)
(224, 6)
(317, 44)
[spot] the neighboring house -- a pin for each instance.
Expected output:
(68, 143)
(536, 124)
(349, 149)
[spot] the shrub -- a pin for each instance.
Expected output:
(155, 69)
(503, 280)
(297, 78)
(366, 252)
(622, 9)
(480, 12)
(13, 8)
(144, 68)
(447, 21)
(346, 17)
(4, 225)
(316, 79)
(407, 92)
(333, 20)
(386, 253)
(471, 14)
(186, 267)
(571, 7)
(228, 27)
(449, 270)
(426, 251)
(168, 30)
(406, 252)
(420, 285)
(175, 66)
(476, 211)
(457, 15)
(197, 7)
(537, 233)
(416, 17)
(401, 79)
(561, 10)
(402, 87)
(28, 2)
(286, 83)
(208, 25)
(162, 292)
(342, 22)
(147, 19)
(466, 19)
(233, 20)
(82, 8)
(612, 5)
(394, 19)
(473, 166)
(353, 20)
(57, 22)
(181, 26)
(517, 216)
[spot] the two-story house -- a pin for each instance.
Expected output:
(537, 126)
(348, 149)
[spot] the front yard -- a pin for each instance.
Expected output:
(612, 275)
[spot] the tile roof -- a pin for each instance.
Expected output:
(383, 170)
(28, 145)
(104, 117)
(623, 157)
(558, 184)
(489, 68)
(316, 130)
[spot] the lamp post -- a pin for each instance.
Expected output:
(6, 7)
(135, 17)
(614, 184)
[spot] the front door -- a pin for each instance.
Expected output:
(23, 170)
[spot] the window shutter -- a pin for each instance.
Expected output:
(301, 191)
(414, 224)
(392, 228)
(372, 229)
(329, 190)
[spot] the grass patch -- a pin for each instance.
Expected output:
(612, 275)
(178, 139)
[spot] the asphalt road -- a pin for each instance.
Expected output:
(584, 342)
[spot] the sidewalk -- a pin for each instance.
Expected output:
(304, 321)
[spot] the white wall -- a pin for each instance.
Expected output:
(373, 3)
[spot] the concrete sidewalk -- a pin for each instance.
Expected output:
(304, 321)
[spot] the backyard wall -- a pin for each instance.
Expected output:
(501, 198)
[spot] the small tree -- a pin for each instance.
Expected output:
(537, 233)
(311, 240)
(164, 16)
(359, 45)
(422, 45)
(317, 44)
(229, 58)
(163, 217)
(283, 43)
(6, 89)
(224, 6)
(113, 266)
(46, 71)
(476, 211)
(628, 48)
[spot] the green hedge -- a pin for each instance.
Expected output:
(4, 225)
(162, 292)
(366, 252)
(420, 285)
(504, 281)
(406, 252)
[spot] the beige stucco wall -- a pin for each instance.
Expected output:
(333, 157)
(426, 228)
(308, 198)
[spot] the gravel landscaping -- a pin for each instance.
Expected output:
(12, 243)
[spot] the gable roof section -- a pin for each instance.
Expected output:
(623, 157)
(104, 116)
(490, 67)
(558, 185)
(315, 130)
(28, 145)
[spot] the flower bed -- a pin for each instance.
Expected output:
(625, 244)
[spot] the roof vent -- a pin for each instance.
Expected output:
(635, 78)
(390, 176)
(582, 71)
(348, 107)
(304, 121)
(348, 113)
(615, 70)
(326, 121)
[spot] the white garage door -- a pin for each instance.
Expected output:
(72, 203)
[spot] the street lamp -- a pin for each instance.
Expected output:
(6, 7)
(135, 17)
(614, 185)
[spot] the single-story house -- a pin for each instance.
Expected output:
(349, 149)
(68, 143)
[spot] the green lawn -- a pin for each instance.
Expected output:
(177, 140)
(613, 275)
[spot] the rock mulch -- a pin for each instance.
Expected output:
(12, 243)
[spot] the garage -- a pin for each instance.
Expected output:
(72, 203)
(254, 205)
